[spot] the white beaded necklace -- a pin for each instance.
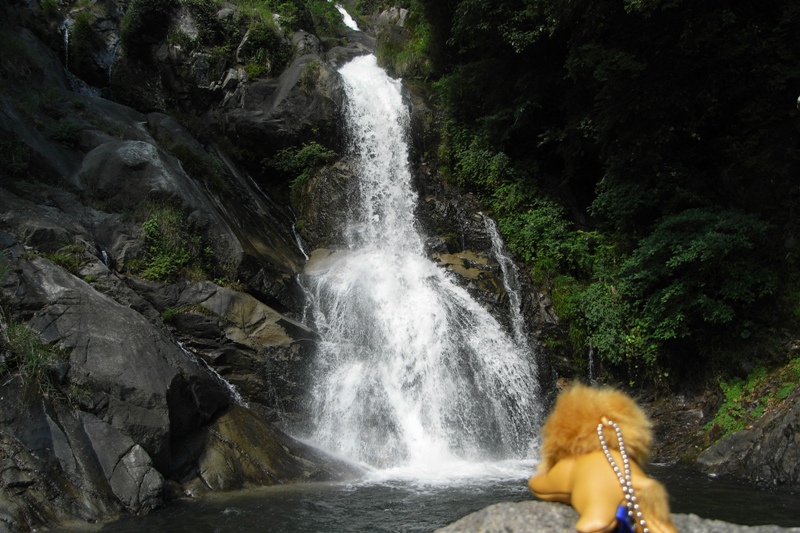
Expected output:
(634, 511)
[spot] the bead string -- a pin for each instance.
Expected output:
(634, 511)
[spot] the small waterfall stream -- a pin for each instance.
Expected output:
(411, 373)
(510, 282)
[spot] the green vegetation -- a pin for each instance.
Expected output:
(625, 149)
(50, 9)
(15, 158)
(26, 356)
(204, 13)
(17, 60)
(265, 51)
(70, 258)
(266, 23)
(66, 132)
(310, 75)
(326, 18)
(301, 163)
(199, 164)
(174, 248)
(84, 41)
(408, 56)
(169, 314)
(745, 401)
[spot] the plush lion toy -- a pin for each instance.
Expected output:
(594, 443)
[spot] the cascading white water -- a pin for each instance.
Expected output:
(410, 372)
(348, 20)
(510, 282)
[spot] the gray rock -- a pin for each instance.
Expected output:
(114, 350)
(543, 517)
(240, 450)
(127, 467)
(769, 453)
(321, 202)
(287, 110)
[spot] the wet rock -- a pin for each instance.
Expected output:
(240, 450)
(322, 204)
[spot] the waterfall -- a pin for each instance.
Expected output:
(410, 372)
(348, 20)
(510, 282)
(200, 362)
(77, 84)
(66, 29)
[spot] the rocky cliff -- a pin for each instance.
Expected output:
(152, 343)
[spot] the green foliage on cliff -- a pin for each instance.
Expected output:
(174, 247)
(300, 163)
(17, 60)
(641, 157)
(84, 41)
(265, 51)
(70, 258)
(25, 356)
(746, 400)
(407, 56)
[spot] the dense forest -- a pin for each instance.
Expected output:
(640, 156)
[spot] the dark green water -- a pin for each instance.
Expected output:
(406, 505)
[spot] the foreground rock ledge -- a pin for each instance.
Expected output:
(542, 517)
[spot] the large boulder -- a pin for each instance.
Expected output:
(542, 517)
(301, 104)
(322, 204)
(241, 450)
(262, 352)
(133, 369)
(768, 453)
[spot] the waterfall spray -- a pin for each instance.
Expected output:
(411, 372)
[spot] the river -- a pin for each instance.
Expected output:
(400, 505)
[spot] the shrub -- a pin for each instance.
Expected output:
(70, 258)
(169, 314)
(15, 157)
(309, 76)
(326, 18)
(50, 9)
(17, 60)
(746, 400)
(66, 132)
(205, 15)
(407, 57)
(698, 269)
(265, 48)
(83, 42)
(174, 249)
(26, 354)
(301, 163)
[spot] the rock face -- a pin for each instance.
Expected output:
(767, 454)
(542, 517)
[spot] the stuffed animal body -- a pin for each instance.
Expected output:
(575, 469)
